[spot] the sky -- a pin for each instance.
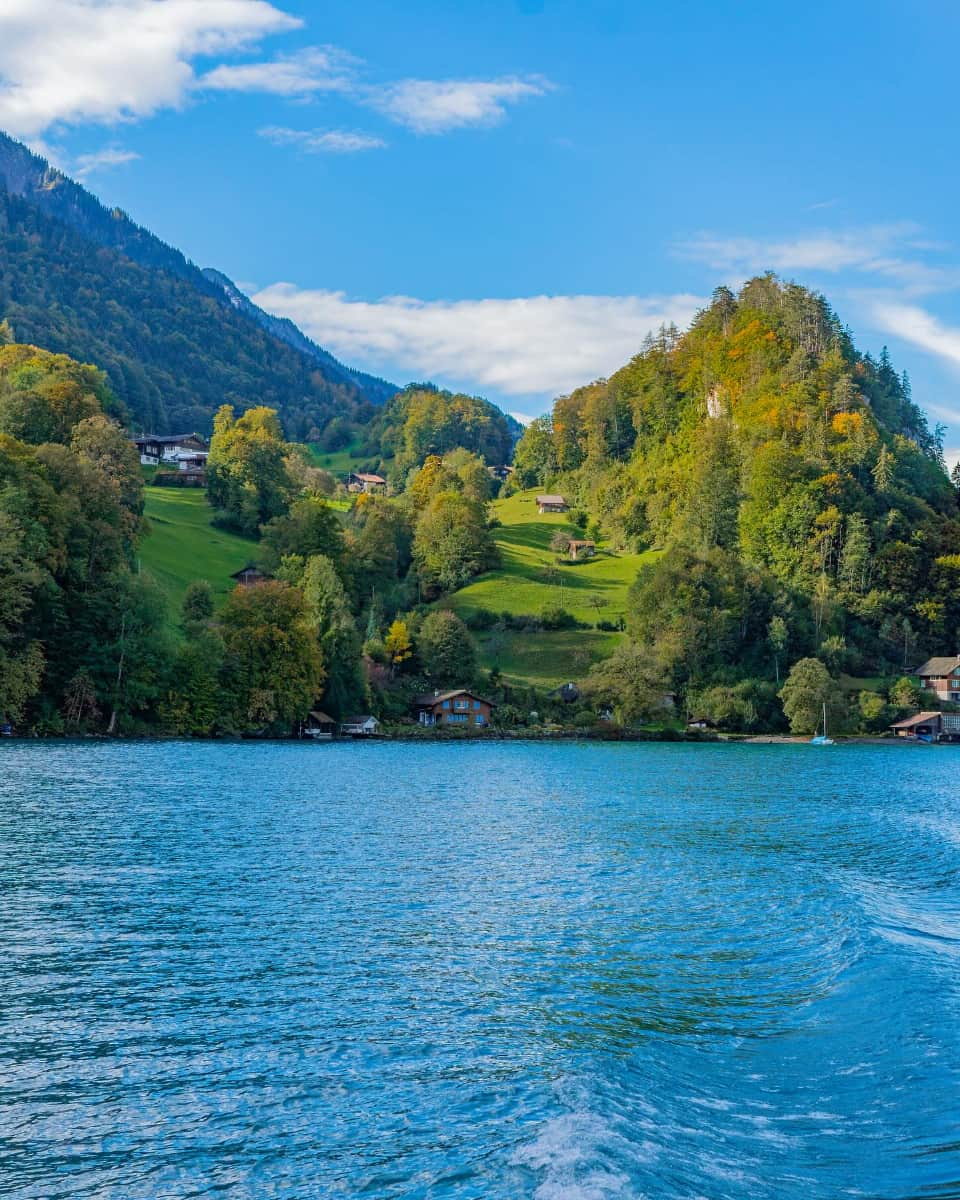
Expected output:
(505, 196)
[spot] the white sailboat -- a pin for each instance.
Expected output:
(821, 739)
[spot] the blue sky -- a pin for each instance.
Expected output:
(505, 196)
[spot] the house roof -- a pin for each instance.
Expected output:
(923, 718)
(321, 717)
(361, 720)
(580, 542)
(167, 439)
(550, 500)
(249, 567)
(368, 478)
(939, 666)
(429, 699)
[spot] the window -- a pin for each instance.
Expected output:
(446, 704)
(457, 718)
(480, 720)
(461, 704)
(476, 703)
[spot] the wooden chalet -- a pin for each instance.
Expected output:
(155, 449)
(360, 481)
(250, 576)
(458, 707)
(942, 677)
(551, 504)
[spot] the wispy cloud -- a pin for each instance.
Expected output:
(919, 327)
(317, 69)
(437, 106)
(66, 62)
(321, 141)
(534, 346)
(892, 251)
(85, 165)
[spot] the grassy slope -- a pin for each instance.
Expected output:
(520, 586)
(341, 462)
(183, 546)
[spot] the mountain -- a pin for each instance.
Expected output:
(80, 279)
(375, 389)
(796, 491)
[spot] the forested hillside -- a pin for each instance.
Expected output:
(86, 281)
(796, 490)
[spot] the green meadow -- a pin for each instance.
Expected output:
(182, 545)
(530, 580)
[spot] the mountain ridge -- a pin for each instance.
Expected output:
(82, 279)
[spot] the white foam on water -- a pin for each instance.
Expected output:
(566, 1152)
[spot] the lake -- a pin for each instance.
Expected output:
(562, 971)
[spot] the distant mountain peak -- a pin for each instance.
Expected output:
(31, 180)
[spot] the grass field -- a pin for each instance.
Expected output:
(183, 546)
(530, 580)
(341, 462)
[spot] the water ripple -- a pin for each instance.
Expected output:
(571, 972)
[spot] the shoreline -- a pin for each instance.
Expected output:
(460, 737)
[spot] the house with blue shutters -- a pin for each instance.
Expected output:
(457, 708)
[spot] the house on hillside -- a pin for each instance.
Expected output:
(250, 576)
(459, 707)
(942, 677)
(551, 504)
(502, 473)
(360, 726)
(581, 549)
(191, 460)
(360, 481)
(154, 449)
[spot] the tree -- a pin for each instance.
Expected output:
(446, 649)
(904, 695)
(873, 712)
(310, 528)
(247, 476)
(778, 636)
(272, 669)
(328, 612)
(451, 542)
(631, 682)
(197, 607)
(398, 644)
(883, 471)
(807, 689)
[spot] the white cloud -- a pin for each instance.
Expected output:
(437, 106)
(914, 324)
(889, 251)
(106, 61)
(534, 346)
(317, 69)
(320, 141)
(85, 165)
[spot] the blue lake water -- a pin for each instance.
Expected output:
(568, 972)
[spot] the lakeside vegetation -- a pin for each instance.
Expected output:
(749, 521)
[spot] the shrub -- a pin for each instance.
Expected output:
(557, 618)
(481, 620)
